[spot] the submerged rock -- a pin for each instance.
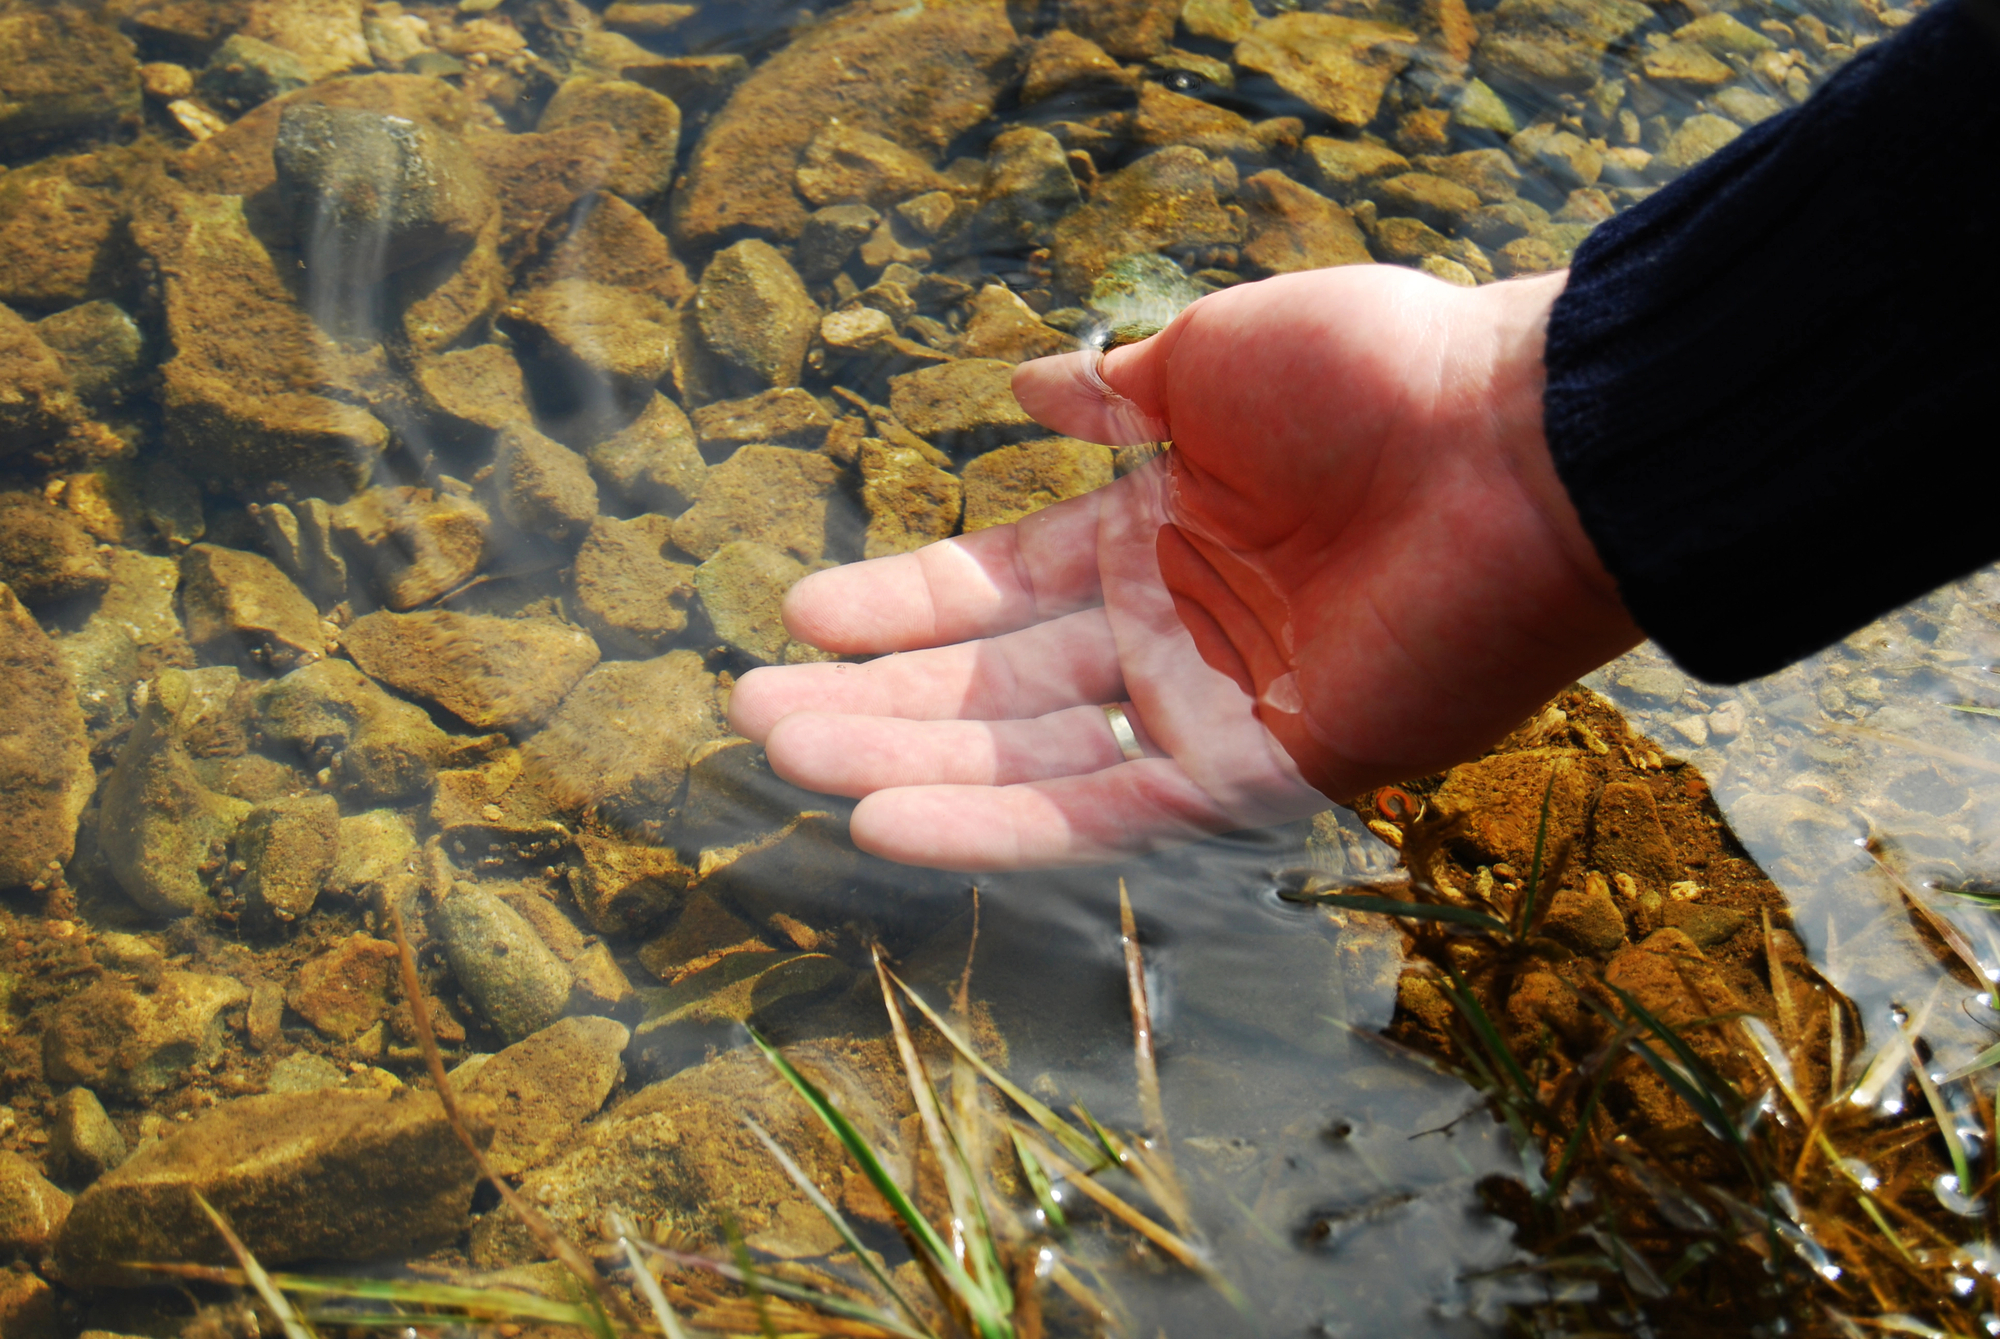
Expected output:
(623, 887)
(1004, 327)
(598, 333)
(1338, 66)
(467, 395)
(1539, 44)
(620, 740)
(1170, 198)
(962, 407)
(413, 544)
(705, 1010)
(846, 166)
(492, 673)
(608, 241)
(648, 126)
(62, 226)
(912, 499)
(83, 1142)
(288, 848)
(100, 345)
(829, 237)
(755, 313)
(541, 486)
(326, 35)
(62, 72)
(543, 1087)
(239, 607)
(244, 394)
(159, 826)
(375, 192)
(1012, 482)
(31, 1210)
(518, 985)
(653, 462)
(1128, 29)
(933, 73)
(45, 773)
(1293, 227)
(374, 747)
(785, 417)
(337, 1174)
(771, 494)
(632, 597)
(117, 1036)
(743, 589)
(38, 406)
(345, 991)
(45, 554)
(246, 71)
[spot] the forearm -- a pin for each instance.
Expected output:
(1761, 380)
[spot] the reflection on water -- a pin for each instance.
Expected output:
(411, 415)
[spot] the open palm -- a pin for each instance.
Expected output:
(1356, 565)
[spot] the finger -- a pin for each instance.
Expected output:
(1079, 820)
(978, 585)
(859, 755)
(1213, 592)
(1070, 393)
(1064, 662)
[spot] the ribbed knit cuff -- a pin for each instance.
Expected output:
(1772, 385)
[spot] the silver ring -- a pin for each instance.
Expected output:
(1121, 730)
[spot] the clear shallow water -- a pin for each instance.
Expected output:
(1333, 1176)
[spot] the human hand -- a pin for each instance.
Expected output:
(1356, 565)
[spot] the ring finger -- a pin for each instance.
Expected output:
(859, 755)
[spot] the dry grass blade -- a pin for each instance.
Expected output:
(1077, 1146)
(294, 1327)
(1151, 1110)
(1106, 1200)
(839, 1222)
(572, 1258)
(1954, 940)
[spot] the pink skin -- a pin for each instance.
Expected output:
(1358, 475)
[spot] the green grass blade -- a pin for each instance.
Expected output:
(1576, 1137)
(831, 1303)
(1059, 1129)
(1532, 893)
(1440, 912)
(1986, 1059)
(1708, 1092)
(1975, 711)
(746, 1272)
(473, 1303)
(1038, 1181)
(1946, 1126)
(1482, 1024)
(594, 1318)
(839, 1221)
(281, 1308)
(859, 1149)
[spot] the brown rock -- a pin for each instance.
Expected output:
(755, 314)
(249, 394)
(608, 241)
(1011, 482)
(1338, 66)
(543, 1087)
(1004, 327)
(539, 177)
(28, 1307)
(1171, 197)
(1586, 918)
(1128, 29)
(114, 1036)
(1165, 117)
(1295, 228)
(336, 1174)
(609, 335)
(1501, 800)
(623, 887)
(1436, 201)
(770, 494)
(1028, 185)
(345, 991)
(962, 407)
(653, 461)
(289, 846)
(541, 486)
(648, 126)
(1339, 166)
(414, 544)
(492, 673)
(324, 34)
(1062, 62)
(62, 72)
(38, 406)
(31, 1210)
(632, 597)
(932, 73)
(742, 588)
(911, 498)
(845, 166)
(1628, 838)
(1488, 173)
(785, 417)
(621, 739)
(61, 229)
(467, 395)
(45, 554)
(239, 608)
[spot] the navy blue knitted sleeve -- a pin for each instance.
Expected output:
(1770, 385)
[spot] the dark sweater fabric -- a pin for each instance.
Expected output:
(1771, 385)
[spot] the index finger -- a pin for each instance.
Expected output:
(978, 585)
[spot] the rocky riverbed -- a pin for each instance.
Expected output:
(410, 418)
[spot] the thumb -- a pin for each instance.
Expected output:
(1074, 393)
